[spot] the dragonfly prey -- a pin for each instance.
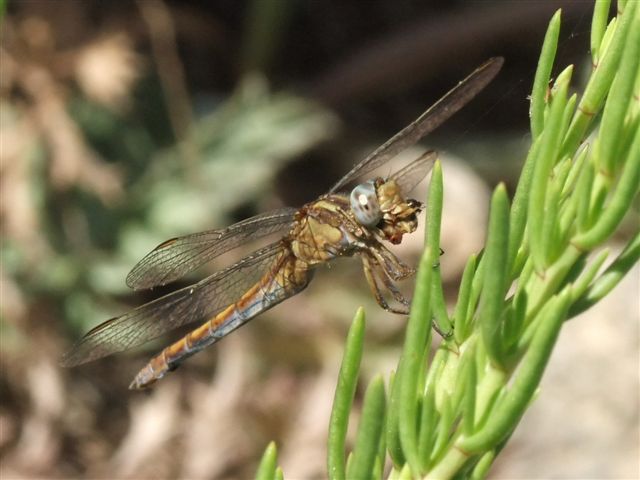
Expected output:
(338, 224)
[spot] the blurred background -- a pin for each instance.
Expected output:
(126, 123)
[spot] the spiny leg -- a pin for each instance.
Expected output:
(388, 280)
(393, 267)
(436, 327)
(370, 271)
(434, 323)
(395, 293)
(373, 284)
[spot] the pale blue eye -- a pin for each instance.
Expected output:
(364, 204)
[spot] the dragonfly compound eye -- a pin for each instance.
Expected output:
(364, 204)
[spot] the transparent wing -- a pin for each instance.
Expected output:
(408, 177)
(439, 112)
(175, 258)
(196, 303)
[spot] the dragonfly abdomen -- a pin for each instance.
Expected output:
(287, 277)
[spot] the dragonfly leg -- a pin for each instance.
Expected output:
(439, 331)
(373, 284)
(437, 263)
(394, 268)
(376, 276)
(395, 293)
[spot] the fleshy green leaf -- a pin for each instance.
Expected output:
(267, 467)
(543, 74)
(345, 391)
(369, 431)
(495, 274)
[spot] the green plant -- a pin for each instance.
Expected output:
(542, 265)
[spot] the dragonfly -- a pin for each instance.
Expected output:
(340, 223)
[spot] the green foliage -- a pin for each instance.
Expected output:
(345, 391)
(450, 417)
(267, 470)
(366, 461)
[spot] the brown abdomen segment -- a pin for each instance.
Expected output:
(285, 278)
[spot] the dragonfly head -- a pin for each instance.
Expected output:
(379, 203)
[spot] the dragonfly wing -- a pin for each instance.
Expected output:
(196, 303)
(175, 258)
(438, 113)
(408, 177)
